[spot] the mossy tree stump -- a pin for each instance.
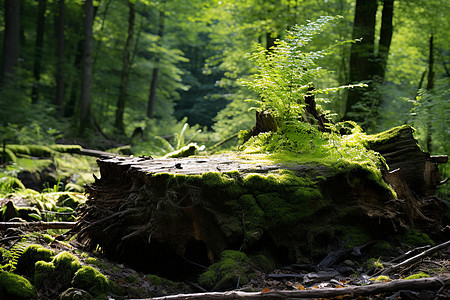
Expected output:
(173, 216)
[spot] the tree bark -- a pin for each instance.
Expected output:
(85, 100)
(11, 39)
(38, 50)
(126, 67)
(155, 73)
(432, 283)
(59, 75)
(365, 64)
(430, 86)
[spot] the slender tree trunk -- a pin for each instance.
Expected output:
(154, 82)
(365, 64)
(85, 99)
(385, 36)
(11, 39)
(362, 52)
(126, 67)
(38, 50)
(59, 75)
(430, 86)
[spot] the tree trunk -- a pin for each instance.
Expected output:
(85, 100)
(38, 50)
(361, 52)
(11, 39)
(365, 64)
(59, 76)
(430, 86)
(385, 36)
(126, 67)
(154, 82)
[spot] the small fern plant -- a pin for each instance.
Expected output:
(286, 72)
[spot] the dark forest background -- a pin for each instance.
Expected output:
(154, 74)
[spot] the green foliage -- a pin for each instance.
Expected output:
(13, 286)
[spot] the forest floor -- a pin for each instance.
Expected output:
(351, 271)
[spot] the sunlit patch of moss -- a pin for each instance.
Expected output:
(10, 211)
(233, 266)
(13, 286)
(188, 150)
(32, 254)
(92, 281)
(382, 278)
(418, 276)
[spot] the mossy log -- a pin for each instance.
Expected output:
(175, 215)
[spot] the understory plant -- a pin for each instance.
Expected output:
(283, 82)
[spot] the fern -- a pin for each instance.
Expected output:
(286, 72)
(12, 256)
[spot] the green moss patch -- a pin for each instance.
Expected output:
(418, 276)
(91, 280)
(13, 286)
(231, 270)
(32, 254)
(61, 269)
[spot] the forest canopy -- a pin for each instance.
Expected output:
(158, 74)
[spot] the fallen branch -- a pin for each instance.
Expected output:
(432, 283)
(416, 258)
(39, 225)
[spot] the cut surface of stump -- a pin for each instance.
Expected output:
(175, 216)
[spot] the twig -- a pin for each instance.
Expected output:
(416, 258)
(40, 225)
(432, 283)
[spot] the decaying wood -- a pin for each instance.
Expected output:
(432, 283)
(38, 225)
(416, 258)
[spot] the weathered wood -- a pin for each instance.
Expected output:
(38, 225)
(164, 213)
(416, 258)
(432, 283)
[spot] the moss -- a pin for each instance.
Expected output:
(358, 235)
(65, 148)
(418, 276)
(263, 263)
(156, 280)
(32, 150)
(382, 278)
(10, 210)
(414, 238)
(91, 280)
(13, 286)
(388, 135)
(131, 278)
(208, 279)
(32, 254)
(62, 267)
(75, 294)
(9, 155)
(44, 273)
(185, 151)
(233, 267)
